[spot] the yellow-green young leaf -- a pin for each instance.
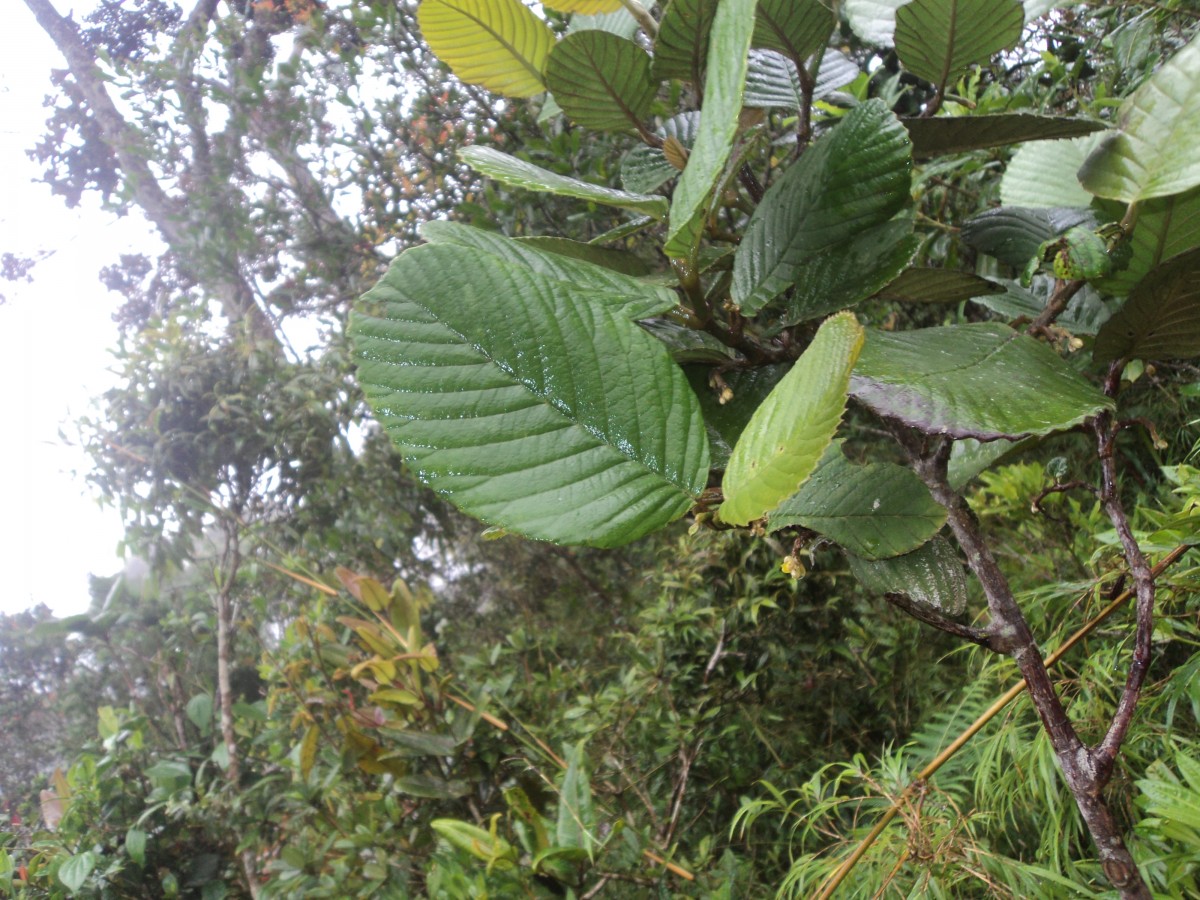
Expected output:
(789, 432)
(308, 751)
(484, 845)
(1152, 153)
(499, 44)
(584, 7)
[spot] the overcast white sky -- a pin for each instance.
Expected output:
(55, 336)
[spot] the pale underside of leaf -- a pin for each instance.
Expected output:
(982, 380)
(938, 40)
(601, 81)
(1043, 174)
(725, 81)
(873, 20)
(1153, 151)
(791, 429)
(518, 173)
(499, 44)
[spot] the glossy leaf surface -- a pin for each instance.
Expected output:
(937, 286)
(635, 299)
(873, 511)
(527, 401)
(984, 381)
(498, 44)
(518, 173)
(854, 179)
(931, 575)
(1013, 234)
(791, 429)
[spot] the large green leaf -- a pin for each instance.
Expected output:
(601, 81)
(526, 401)
(797, 28)
(1013, 234)
(984, 381)
(645, 168)
(499, 44)
(841, 276)
(957, 134)
(681, 47)
(1166, 227)
(931, 576)
(854, 179)
(938, 40)
(790, 430)
(873, 20)
(937, 286)
(873, 511)
(724, 83)
(1161, 319)
(1152, 153)
(773, 82)
(633, 298)
(518, 173)
(1043, 174)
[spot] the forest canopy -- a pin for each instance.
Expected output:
(711, 448)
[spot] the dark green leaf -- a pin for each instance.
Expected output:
(854, 179)
(938, 40)
(1161, 319)
(726, 421)
(937, 286)
(529, 402)
(873, 511)
(957, 134)
(984, 381)
(431, 788)
(135, 845)
(601, 81)
(619, 261)
(688, 345)
(1014, 234)
(1085, 312)
(931, 576)
(419, 743)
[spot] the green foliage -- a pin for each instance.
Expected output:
(639, 312)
